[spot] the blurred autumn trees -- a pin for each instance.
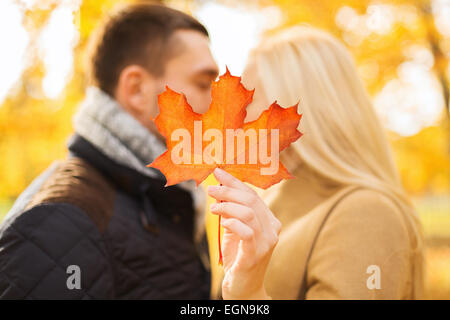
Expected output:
(33, 127)
(389, 40)
(383, 36)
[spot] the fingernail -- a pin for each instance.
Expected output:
(214, 207)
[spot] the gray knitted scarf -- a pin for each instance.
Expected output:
(104, 123)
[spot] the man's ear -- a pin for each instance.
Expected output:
(135, 91)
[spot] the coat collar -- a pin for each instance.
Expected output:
(128, 179)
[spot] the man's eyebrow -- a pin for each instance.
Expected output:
(211, 72)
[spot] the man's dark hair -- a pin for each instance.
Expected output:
(136, 34)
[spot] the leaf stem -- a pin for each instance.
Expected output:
(219, 238)
(220, 247)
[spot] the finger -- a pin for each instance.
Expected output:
(223, 193)
(276, 225)
(237, 211)
(240, 229)
(230, 181)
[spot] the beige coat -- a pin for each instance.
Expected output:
(335, 242)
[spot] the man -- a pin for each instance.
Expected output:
(100, 224)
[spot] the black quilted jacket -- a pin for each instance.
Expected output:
(129, 237)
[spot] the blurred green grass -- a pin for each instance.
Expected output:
(435, 216)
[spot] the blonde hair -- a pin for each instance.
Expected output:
(343, 137)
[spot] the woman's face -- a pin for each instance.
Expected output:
(260, 102)
(251, 80)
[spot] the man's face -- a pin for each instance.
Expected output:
(190, 71)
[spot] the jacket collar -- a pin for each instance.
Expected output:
(125, 178)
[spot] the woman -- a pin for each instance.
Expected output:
(348, 228)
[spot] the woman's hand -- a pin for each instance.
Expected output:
(250, 235)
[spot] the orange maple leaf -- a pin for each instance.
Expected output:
(227, 111)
